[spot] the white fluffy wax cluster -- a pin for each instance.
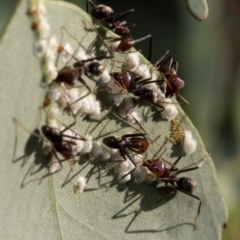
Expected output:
(80, 185)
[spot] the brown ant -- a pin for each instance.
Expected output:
(169, 176)
(106, 13)
(88, 67)
(58, 141)
(71, 75)
(127, 43)
(168, 68)
(136, 86)
(136, 143)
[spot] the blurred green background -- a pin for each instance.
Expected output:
(209, 61)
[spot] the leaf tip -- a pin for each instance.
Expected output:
(198, 9)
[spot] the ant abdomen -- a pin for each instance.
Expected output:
(186, 184)
(52, 134)
(68, 76)
(64, 148)
(102, 11)
(125, 45)
(111, 142)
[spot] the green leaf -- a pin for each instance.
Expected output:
(50, 211)
(198, 9)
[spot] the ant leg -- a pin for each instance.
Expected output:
(183, 99)
(130, 26)
(124, 152)
(97, 82)
(92, 4)
(134, 135)
(175, 65)
(16, 121)
(193, 168)
(158, 63)
(121, 15)
(199, 206)
(150, 45)
(176, 162)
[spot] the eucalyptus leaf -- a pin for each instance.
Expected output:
(198, 9)
(49, 209)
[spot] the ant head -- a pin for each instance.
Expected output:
(174, 84)
(102, 11)
(186, 184)
(111, 142)
(95, 68)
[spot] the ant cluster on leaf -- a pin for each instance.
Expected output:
(129, 85)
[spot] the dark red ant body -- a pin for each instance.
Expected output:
(136, 86)
(126, 43)
(106, 13)
(88, 67)
(168, 68)
(59, 144)
(136, 143)
(169, 177)
(71, 75)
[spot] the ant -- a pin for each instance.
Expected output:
(136, 86)
(86, 67)
(106, 13)
(137, 143)
(169, 176)
(126, 43)
(70, 75)
(58, 141)
(168, 68)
